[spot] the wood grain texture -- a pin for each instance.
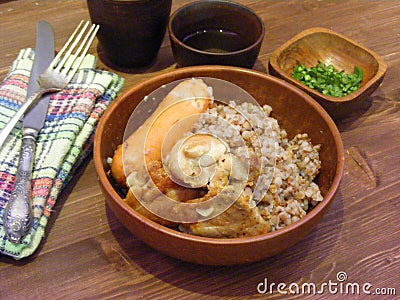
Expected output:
(87, 254)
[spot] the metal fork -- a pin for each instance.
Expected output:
(18, 213)
(59, 73)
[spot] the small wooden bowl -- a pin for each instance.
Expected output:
(296, 112)
(329, 47)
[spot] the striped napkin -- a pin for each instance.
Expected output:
(63, 143)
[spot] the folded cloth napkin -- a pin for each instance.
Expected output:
(62, 144)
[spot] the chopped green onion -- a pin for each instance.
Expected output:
(327, 80)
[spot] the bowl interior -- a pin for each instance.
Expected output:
(290, 106)
(328, 48)
(236, 20)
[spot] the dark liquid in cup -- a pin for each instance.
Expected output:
(215, 40)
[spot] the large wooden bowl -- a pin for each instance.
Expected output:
(320, 44)
(296, 111)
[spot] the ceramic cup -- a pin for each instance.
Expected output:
(131, 31)
(215, 32)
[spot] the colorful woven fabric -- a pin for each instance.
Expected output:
(63, 143)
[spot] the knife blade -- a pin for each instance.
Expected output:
(45, 45)
(18, 212)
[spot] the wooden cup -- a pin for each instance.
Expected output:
(131, 31)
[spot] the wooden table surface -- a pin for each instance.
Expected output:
(88, 254)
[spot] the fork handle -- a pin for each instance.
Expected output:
(18, 213)
(29, 103)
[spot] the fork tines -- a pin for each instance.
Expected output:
(70, 62)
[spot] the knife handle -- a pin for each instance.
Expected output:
(18, 213)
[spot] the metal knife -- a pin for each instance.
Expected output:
(18, 213)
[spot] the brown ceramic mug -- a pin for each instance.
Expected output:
(131, 31)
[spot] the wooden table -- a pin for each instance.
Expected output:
(87, 254)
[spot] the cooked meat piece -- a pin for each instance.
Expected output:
(239, 220)
(184, 102)
(149, 193)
